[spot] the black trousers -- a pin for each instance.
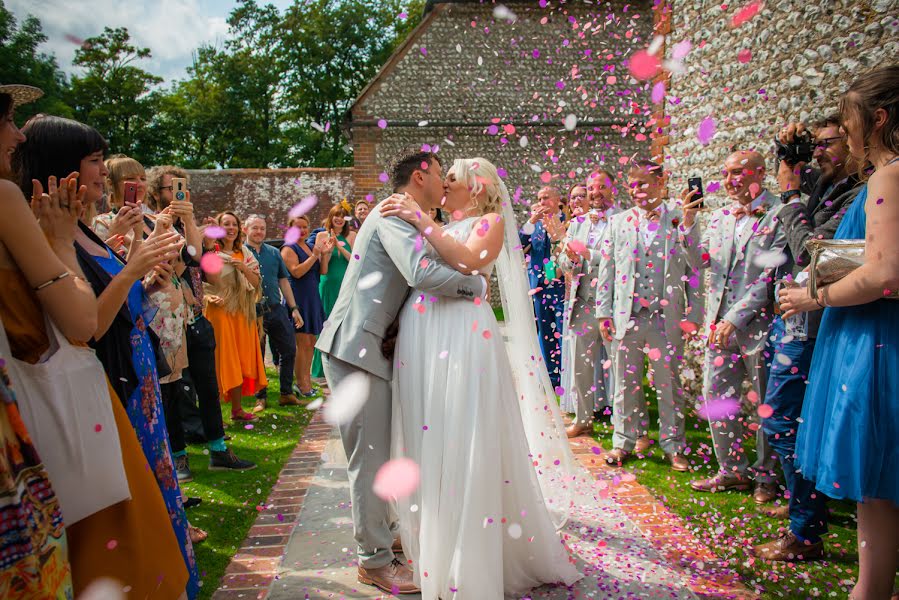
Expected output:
(172, 410)
(201, 358)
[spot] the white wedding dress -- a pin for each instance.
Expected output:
(477, 528)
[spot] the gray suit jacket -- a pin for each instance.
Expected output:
(583, 284)
(615, 279)
(741, 283)
(355, 329)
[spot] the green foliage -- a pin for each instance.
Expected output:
(273, 95)
(114, 95)
(22, 63)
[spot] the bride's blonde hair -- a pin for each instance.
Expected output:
(480, 174)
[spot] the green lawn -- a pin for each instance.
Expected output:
(729, 523)
(230, 499)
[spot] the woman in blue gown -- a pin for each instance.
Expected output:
(848, 442)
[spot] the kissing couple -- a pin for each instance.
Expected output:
(477, 415)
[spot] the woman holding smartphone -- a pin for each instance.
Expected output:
(126, 187)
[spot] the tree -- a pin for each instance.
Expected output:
(331, 50)
(20, 62)
(113, 95)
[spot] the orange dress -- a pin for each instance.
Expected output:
(238, 355)
(133, 541)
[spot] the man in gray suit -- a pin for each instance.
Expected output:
(589, 384)
(741, 246)
(387, 256)
(645, 291)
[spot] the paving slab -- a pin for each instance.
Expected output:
(320, 560)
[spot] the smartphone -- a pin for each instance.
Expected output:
(179, 188)
(695, 183)
(130, 192)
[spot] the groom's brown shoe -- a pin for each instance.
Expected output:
(578, 429)
(393, 578)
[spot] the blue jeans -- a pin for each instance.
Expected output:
(278, 329)
(785, 394)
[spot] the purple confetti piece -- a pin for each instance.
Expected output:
(658, 92)
(302, 207)
(706, 131)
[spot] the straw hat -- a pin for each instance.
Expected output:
(21, 94)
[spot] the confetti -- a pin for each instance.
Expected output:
(719, 409)
(302, 207)
(369, 281)
(644, 65)
(396, 479)
(706, 131)
(211, 263)
(347, 399)
(214, 232)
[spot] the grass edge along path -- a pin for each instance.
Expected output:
(730, 523)
(238, 507)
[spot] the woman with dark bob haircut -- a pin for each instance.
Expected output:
(128, 350)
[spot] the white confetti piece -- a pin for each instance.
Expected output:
(347, 399)
(369, 281)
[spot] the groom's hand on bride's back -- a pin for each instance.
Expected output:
(388, 344)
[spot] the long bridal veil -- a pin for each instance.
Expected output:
(562, 479)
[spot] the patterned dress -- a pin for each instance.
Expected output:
(33, 552)
(144, 409)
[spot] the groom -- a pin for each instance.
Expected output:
(390, 259)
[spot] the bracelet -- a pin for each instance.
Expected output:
(59, 277)
(292, 308)
(823, 302)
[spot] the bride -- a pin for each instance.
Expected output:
(497, 474)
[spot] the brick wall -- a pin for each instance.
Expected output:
(269, 192)
(803, 55)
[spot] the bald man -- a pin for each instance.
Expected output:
(740, 247)
(539, 237)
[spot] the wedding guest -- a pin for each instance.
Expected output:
(577, 199)
(150, 526)
(124, 218)
(831, 190)
(360, 212)
(199, 377)
(580, 258)
(277, 318)
(542, 232)
(37, 566)
(306, 265)
(337, 231)
(846, 442)
(437, 215)
(231, 296)
(737, 248)
(644, 277)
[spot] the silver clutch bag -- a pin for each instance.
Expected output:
(831, 260)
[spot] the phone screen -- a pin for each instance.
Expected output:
(695, 183)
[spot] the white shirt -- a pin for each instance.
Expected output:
(649, 233)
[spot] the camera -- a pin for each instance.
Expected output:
(799, 150)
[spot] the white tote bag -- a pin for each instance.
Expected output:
(65, 404)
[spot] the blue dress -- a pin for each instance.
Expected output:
(847, 442)
(305, 292)
(549, 300)
(144, 409)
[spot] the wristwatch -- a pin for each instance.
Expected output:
(292, 308)
(789, 195)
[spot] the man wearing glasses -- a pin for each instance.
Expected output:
(814, 202)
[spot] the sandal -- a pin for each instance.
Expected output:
(192, 501)
(242, 416)
(197, 535)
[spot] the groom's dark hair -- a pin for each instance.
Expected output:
(407, 162)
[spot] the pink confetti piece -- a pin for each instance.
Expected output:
(719, 360)
(577, 246)
(292, 235)
(706, 131)
(744, 56)
(719, 409)
(546, 177)
(654, 354)
(396, 479)
(111, 544)
(765, 411)
(302, 207)
(211, 263)
(98, 428)
(644, 65)
(214, 232)
(746, 13)
(382, 123)
(658, 92)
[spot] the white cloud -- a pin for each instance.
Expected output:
(171, 29)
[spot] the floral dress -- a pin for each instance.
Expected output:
(144, 409)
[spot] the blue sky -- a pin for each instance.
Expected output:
(171, 29)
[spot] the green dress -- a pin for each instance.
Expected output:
(328, 289)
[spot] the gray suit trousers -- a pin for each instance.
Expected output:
(366, 440)
(630, 415)
(725, 380)
(592, 384)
